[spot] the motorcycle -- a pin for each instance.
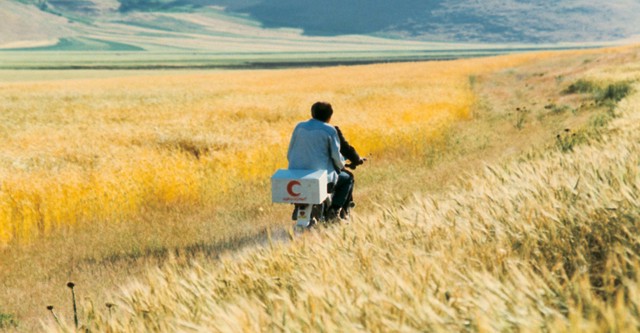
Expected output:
(311, 195)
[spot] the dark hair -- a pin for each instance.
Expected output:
(321, 111)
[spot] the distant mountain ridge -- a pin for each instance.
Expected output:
(536, 21)
(231, 25)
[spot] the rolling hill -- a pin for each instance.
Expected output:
(111, 26)
(306, 26)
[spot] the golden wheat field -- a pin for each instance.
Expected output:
(547, 242)
(86, 150)
(500, 195)
(543, 245)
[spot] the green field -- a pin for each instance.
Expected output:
(73, 54)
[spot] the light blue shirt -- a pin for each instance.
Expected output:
(315, 145)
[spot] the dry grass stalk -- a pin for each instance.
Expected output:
(548, 244)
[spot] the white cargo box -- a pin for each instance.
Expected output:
(299, 186)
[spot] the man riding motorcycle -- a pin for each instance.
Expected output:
(316, 145)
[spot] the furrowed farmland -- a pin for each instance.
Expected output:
(501, 194)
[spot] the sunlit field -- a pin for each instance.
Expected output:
(545, 242)
(548, 244)
(477, 169)
(102, 150)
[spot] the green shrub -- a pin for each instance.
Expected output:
(607, 96)
(7, 321)
(614, 92)
(581, 87)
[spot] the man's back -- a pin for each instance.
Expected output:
(315, 146)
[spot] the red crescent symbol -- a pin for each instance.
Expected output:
(290, 188)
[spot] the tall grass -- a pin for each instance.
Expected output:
(604, 94)
(545, 244)
(79, 151)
